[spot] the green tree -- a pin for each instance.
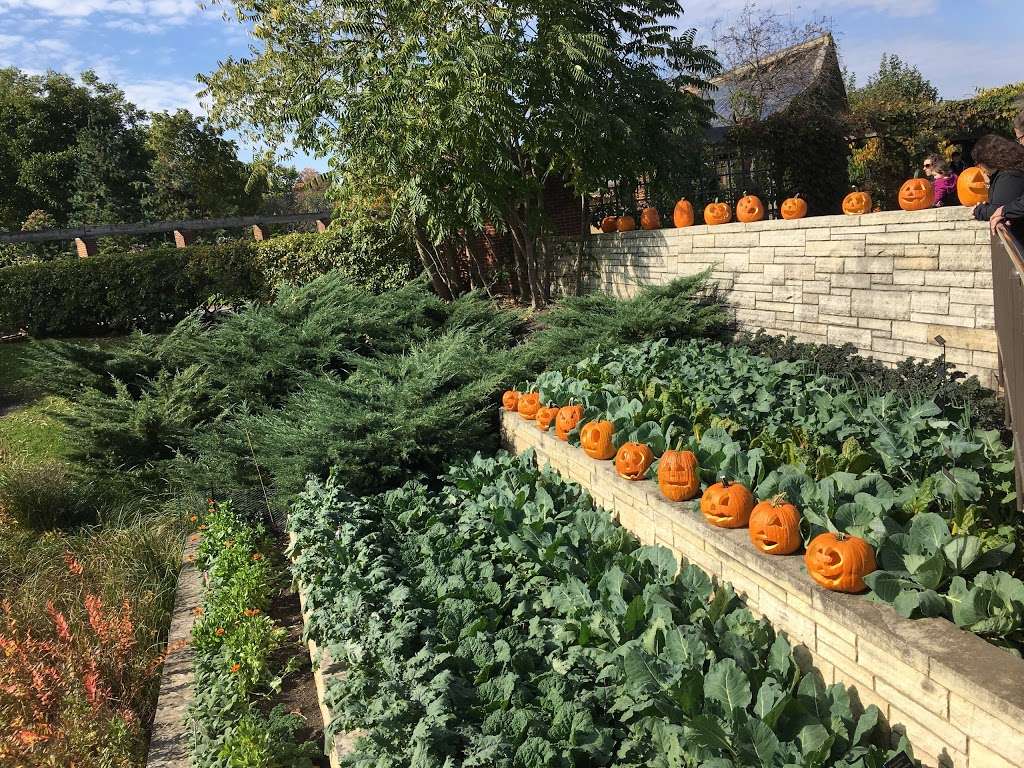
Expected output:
(894, 82)
(195, 172)
(455, 114)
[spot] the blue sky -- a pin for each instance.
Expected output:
(154, 48)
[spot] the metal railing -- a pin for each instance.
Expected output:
(1008, 297)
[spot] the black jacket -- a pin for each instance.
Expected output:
(1005, 188)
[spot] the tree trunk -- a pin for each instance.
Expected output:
(443, 274)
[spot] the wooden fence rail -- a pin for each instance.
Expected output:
(1008, 295)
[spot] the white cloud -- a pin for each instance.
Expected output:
(163, 95)
(703, 15)
(84, 8)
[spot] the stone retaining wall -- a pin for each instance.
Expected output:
(888, 283)
(959, 699)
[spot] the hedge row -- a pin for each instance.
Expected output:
(154, 289)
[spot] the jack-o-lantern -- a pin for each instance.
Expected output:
(529, 404)
(794, 207)
(510, 400)
(609, 224)
(626, 223)
(839, 562)
(916, 195)
(650, 218)
(567, 419)
(633, 460)
(727, 504)
(596, 440)
(678, 475)
(971, 186)
(545, 417)
(775, 527)
(749, 208)
(682, 214)
(856, 203)
(717, 213)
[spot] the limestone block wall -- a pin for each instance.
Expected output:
(888, 283)
(959, 699)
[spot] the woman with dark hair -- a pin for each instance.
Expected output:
(1002, 162)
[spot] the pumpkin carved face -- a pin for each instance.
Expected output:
(775, 527)
(650, 218)
(857, 203)
(717, 213)
(793, 208)
(566, 420)
(609, 224)
(678, 475)
(529, 404)
(545, 417)
(626, 223)
(839, 562)
(510, 400)
(596, 440)
(682, 214)
(916, 195)
(633, 460)
(972, 187)
(727, 505)
(749, 208)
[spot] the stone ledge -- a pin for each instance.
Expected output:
(923, 674)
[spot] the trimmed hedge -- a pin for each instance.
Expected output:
(156, 288)
(149, 291)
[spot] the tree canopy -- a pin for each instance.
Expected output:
(451, 115)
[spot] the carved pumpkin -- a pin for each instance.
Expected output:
(678, 475)
(793, 207)
(529, 404)
(839, 562)
(626, 223)
(916, 195)
(727, 504)
(609, 224)
(633, 460)
(857, 203)
(717, 213)
(566, 420)
(775, 527)
(545, 417)
(596, 440)
(971, 186)
(650, 218)
(682, 214)
(749, 208)
(510, 400)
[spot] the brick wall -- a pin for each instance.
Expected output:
(959, 699)
(888, 283)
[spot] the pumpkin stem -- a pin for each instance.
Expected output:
(778, 499)
(725, 482)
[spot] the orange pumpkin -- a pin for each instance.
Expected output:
(839, 562)
(727, 504)
(916, 195)
(775, 527)
(857, 203)
(609, 224)
(545, 417)
(650, 218)
(971, 186)
(633, 460)
(596, 440)
(678, 475)
(626, 223)
(529, 404)
(794, 207)
(682, 214)
(510, 400)
(749, 208)
(566, 420)
(717, 213)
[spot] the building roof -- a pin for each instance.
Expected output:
(792, 71)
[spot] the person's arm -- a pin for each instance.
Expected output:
(984, 211)
(1015, 208)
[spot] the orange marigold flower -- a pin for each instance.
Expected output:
(197, 611)
(220, 632)
(72, 563)
(202, 527)
(194, 519)
(235, 667)
(257, 557)
(250, 612)
(28, 737)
